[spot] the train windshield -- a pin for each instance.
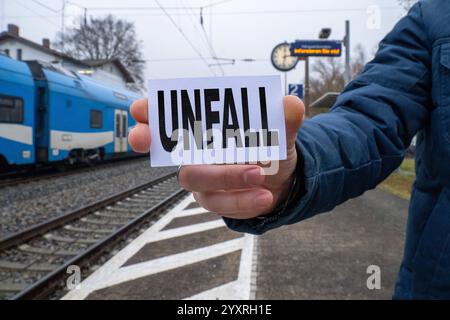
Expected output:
(11, 109)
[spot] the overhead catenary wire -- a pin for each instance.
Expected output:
(204, 36)
(158, 60)
(20, 3)
(185, 37)
(189, 11)
(217, 13)
(46, 7)
(194, 24)
(2, 14)
(213, 4)
(209, 40)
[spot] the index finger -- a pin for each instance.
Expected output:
(139, 110)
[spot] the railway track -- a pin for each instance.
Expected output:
(34, 262)
(27, 176)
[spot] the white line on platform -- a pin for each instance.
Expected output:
(112, 272)
(192, 212)
(106, 279)
(179, 232)
(241, 289)
(173, 262)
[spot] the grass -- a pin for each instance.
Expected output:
(401, 181)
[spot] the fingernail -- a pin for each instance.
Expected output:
(263, 200)
(254, 177)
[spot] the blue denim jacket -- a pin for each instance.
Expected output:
(404, 91)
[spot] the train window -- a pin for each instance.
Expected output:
(124, 126)
(11, 109)
(118, 133)
(96, 119)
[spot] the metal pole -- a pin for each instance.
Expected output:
(210, 22)
(286, 84)
(348, 75)
(2, 15)
(63, 21)
(307, 88)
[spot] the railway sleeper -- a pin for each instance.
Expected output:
(84, 230)
(123, 206)
(135, 204)
(12, 287)
(116, 215)
(122, 212)
(102, 222)
(8, 265)
(135, 200)
(43, 267)
(63, 253)
(54, 237)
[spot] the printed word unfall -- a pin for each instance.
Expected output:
(194, 113)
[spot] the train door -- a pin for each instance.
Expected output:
(120, 131)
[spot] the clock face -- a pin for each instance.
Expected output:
(282, 59)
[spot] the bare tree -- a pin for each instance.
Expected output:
(328, 73)
(103, 39)
(328, 76)
(359, 60)
(407, 4)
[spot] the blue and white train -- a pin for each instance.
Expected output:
(49, 115)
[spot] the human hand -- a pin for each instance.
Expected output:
(233, 191)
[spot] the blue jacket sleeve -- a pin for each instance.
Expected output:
(363, 139)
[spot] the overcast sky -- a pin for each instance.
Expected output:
(237, 28)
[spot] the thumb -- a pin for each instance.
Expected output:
(294, 111)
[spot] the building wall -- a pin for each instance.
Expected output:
(111, 68)
(108, 73)
(28, 53)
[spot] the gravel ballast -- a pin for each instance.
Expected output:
(32, 203)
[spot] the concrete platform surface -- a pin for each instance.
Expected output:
(327, 256)
(190, 254)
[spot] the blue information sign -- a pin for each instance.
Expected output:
(316, 48)
(296, 90)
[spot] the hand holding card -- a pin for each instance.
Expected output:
(216, 120)
(234, 191)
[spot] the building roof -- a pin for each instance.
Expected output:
(326, 101)
(85, 63)
(116, 61)
(8, 35)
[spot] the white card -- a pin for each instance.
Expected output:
(222, 120)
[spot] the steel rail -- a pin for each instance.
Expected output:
(21, 237)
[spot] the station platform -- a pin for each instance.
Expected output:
(190, 254)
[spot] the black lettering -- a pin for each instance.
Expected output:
(230, 108)
(191, 120)
(211, 116)
(249, 135)
(269, 137)
(167, 142)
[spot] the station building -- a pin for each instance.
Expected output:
(109, 71)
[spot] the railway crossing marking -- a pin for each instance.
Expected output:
(114, 272)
